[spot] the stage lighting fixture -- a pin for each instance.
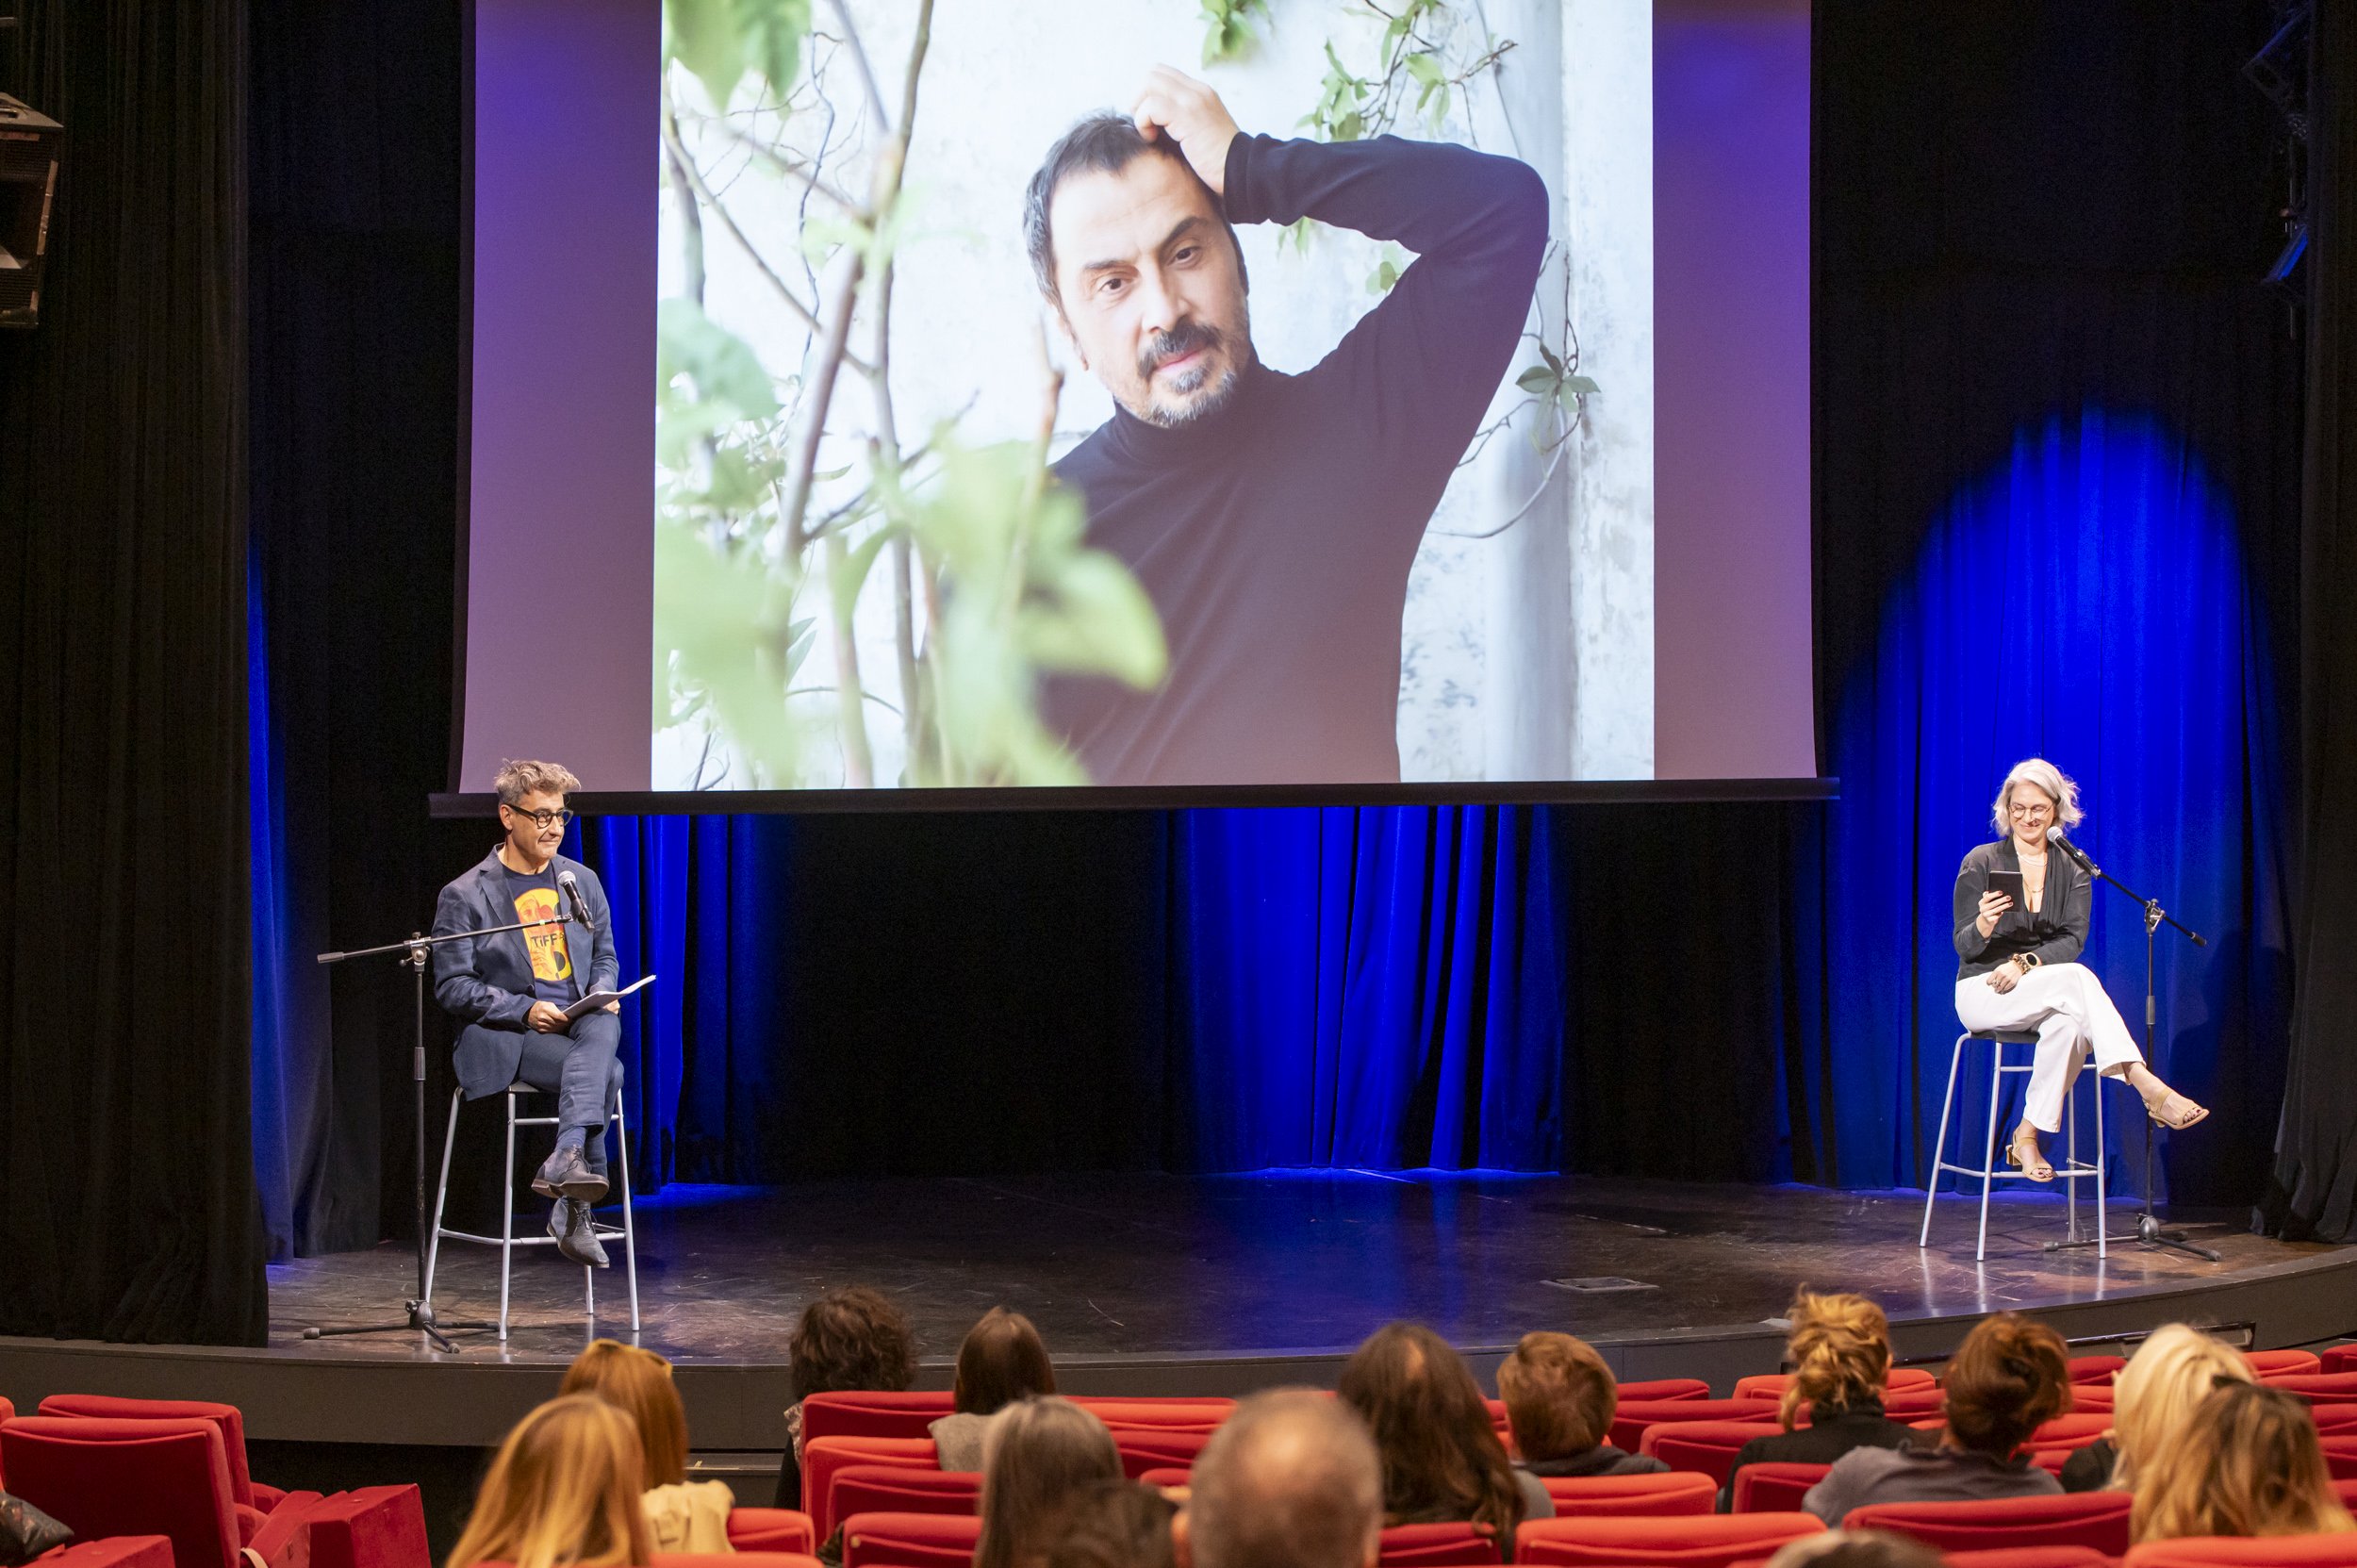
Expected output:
(29, 145)
(2280, 70)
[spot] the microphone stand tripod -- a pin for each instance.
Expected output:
(2148, 1228)
(418, 1313)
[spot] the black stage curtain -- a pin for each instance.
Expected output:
(2314, 1189)
(129, 1210)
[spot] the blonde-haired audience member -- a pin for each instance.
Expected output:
(2247, 1462)
(682, 1515)
(2154, 1397)
(2010, 1375)
(1559, 1399)
(1840, 1348)
(1038, 1456)
(564, 1488)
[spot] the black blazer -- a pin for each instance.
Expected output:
(487, 983)
(1832, 1432)
(2056, 933)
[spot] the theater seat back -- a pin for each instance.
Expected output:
(1705, 1447)
(377, 1526)
(1775, 1486)
(879, 1413)
(101, 1477)
(2275, 1364)
(1676, 1494)
(228, 1418)
(892, 1489)
(2338, 1550)
(1771, 1385)
(1634, 1416)
(910, 1540)
(825, 1457)
(2097, 1520)
(1143, 1450)
(1437, 1546)
(1711, 1541)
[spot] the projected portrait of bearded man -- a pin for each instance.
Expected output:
(1272, 517)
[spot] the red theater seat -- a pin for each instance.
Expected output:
(1908, 1404)
(377, 1526)
(1435, 1545)
(909, 1414)
(733, 1559)
(1143, 1450)
(1667, 1388)
(2317, 1388)
(227, 1417)
(1675, 1494)
(116, 1551)
(1634, 1415)
(1167, 1476)
(910, 1540)
(771, 1529)
(1161, 1415)
(2098, 1520)
(2340, 1454)
(1771, 1385)
(2095, 1369)
(2029, 1556)
(2341, 1358)
(1707, 1447)
(1710, 1540)
(2338, 1550)
(891, 1489)
(2276, 1363)
(2345, 1488)
(101, 1477)
(825, 1457)
(1775, 1486)
(2333, 1418)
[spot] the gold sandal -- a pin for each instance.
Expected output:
(2015, 1152)
(2182, 1119)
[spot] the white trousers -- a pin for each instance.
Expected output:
(2066, 1004)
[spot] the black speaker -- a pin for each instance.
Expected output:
(29, 146)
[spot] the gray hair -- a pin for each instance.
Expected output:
(516, 780)
(2051, 782)
(1290, 1480)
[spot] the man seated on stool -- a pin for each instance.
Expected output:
(512, 988)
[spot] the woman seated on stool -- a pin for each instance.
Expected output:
(2019, 971)
(1840, 1346)
(563, 1490)
(2008, 1376)
(682, 1515)
(2154, 1397)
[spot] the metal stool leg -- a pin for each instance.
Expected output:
(507, 1210)
(630, 1229)
(1989, 1149)
(2070, 1162)
(441, 1195)
(1939, 1146)
(2103, 1172)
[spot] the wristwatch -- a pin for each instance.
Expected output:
(2027, 961)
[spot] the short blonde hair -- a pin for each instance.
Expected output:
(1559, 1395)
(2051, 782)
(517, 779)
(1840, 1350)
(638, 1383)
(2172, 1371)
(2246, 1463)
(563, 1489)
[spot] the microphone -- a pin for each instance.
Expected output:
(2057, 837)
(572, 895)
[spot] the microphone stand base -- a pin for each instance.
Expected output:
(421, 1319)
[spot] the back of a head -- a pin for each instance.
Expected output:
(638, 1383)
(1856, 1549)
(1559, 1395)
(2010, 1374)
(1001, 1360)
(1035, 1455)
(1290, 1480)
(2156, 1393)
(563, 1489)
(852, 1338)
(1840, 1351)
(1111, 1524)
(1442, 1457)
(2247, 1462)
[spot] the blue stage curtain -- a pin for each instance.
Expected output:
(2085, 601)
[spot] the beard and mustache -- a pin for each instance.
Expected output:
(1185, 338)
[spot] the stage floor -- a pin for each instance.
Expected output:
(1285, 1263)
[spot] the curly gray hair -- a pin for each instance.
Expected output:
(2049, 781)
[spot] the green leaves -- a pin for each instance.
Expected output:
(1338, 115)
(725, 635)
(1228, 28)
(719, 40)
(1387, 270)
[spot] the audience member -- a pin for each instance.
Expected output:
(563, 1489)
(2247, 1462)
(1002, 1360)
(682, 1515)
(1840, 1348)
(1856, 1549)
(1290, 1480)
(1036, 1454)
(1111, 1524)
(2010, 1375)
(1559, 1399)
(1442, 1461)
(848, 1339)
(2172, 1372)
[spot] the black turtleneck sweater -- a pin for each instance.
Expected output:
(1275, 537)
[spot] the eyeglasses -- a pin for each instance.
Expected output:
(2032, 813)
(542, 818)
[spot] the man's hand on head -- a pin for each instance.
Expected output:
(1175, 104)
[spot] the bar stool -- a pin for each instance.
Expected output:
(507, 1241)
(2071, 1171)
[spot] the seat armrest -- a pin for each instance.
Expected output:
(283, 1538)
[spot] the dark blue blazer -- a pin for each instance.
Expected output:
(487, 982)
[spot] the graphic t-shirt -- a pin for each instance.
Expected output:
(535, 898)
